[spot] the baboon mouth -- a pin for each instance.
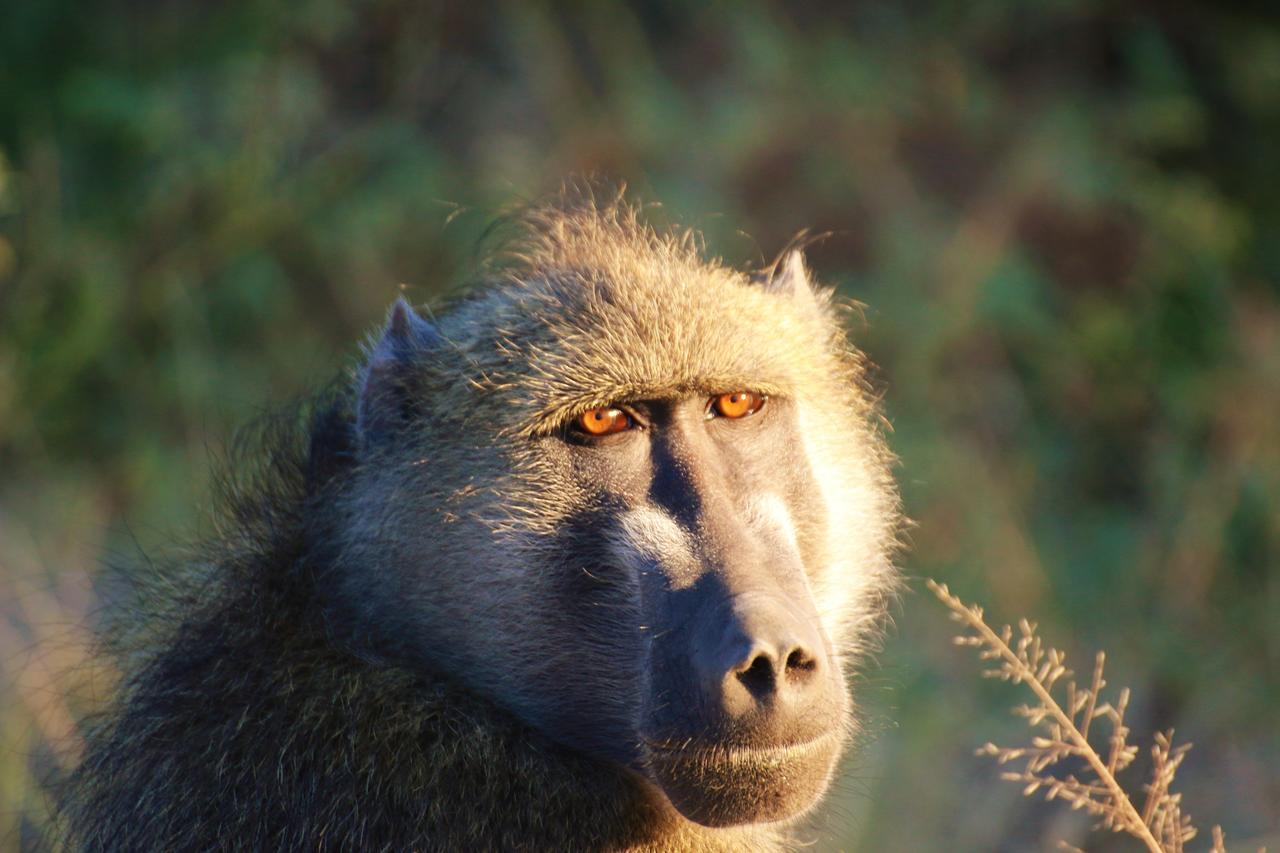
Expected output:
(728, 785)
(730, 754)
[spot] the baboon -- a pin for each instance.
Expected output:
(577, 563)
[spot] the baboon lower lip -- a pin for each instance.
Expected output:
(729, 785)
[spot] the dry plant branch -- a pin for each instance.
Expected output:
(1063, 729)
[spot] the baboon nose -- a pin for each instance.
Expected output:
(766, 668)
(769, 656)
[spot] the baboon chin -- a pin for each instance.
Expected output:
(730, 787)
(579, 562)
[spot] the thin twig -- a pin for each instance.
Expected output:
(1131, 820)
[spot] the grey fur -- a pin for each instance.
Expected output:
(446, 622)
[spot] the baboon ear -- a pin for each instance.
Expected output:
(790, 278)
(384, 396)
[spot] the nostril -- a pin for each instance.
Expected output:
(758, 677)
(800, 664)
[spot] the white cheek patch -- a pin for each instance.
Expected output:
(647, 538)
(768, 516)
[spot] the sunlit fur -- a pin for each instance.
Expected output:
(438, 540)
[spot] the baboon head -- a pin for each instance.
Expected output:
(635, 497)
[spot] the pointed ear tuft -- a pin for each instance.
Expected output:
(384, 397)
(790, 278)
(404, 334)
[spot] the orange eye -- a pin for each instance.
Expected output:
(603, 421)
(739, 404)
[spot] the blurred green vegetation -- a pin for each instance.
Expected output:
(1063, 217)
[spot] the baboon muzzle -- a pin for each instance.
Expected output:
(757, 718)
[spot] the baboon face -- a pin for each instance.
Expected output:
(712, 514)
(642, 510)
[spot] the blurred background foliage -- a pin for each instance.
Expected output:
(1062, 216)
